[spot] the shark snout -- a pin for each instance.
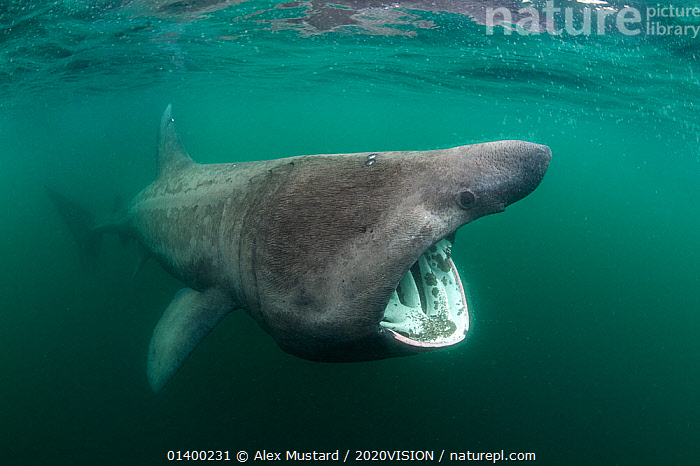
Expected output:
(525, 165)
(541, 156)
(537, 159)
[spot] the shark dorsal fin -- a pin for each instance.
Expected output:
(171, 152)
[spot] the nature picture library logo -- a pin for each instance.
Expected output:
(596, 17)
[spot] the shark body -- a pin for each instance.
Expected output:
(341, 257)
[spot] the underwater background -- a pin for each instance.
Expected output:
(584, 297)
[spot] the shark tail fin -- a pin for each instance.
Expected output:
(81, 224)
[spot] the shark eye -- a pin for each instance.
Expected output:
(466, 199)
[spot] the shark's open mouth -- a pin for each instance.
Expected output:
(428, 308)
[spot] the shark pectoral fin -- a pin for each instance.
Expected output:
(188, 319)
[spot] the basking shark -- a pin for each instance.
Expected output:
(340, 257)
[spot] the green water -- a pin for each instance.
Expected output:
(583, 346)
